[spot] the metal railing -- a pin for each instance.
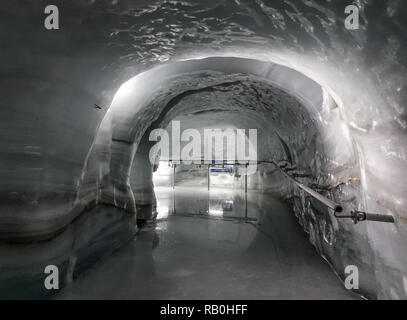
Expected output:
(355, 215)
(336, 207)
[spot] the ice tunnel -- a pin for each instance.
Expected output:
(79, 190)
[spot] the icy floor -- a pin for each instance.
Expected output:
(205, 256)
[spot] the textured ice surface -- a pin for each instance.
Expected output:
(55, 160)
(93, 235)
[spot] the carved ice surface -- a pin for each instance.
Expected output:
(330, 101)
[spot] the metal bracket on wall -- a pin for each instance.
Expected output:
(357, 216)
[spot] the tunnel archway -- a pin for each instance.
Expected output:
(59, 162)
(307, 129)
(147, 107)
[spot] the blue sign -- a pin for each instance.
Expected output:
(222, 170)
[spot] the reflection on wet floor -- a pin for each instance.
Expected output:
(217, 202)
(204, 256)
